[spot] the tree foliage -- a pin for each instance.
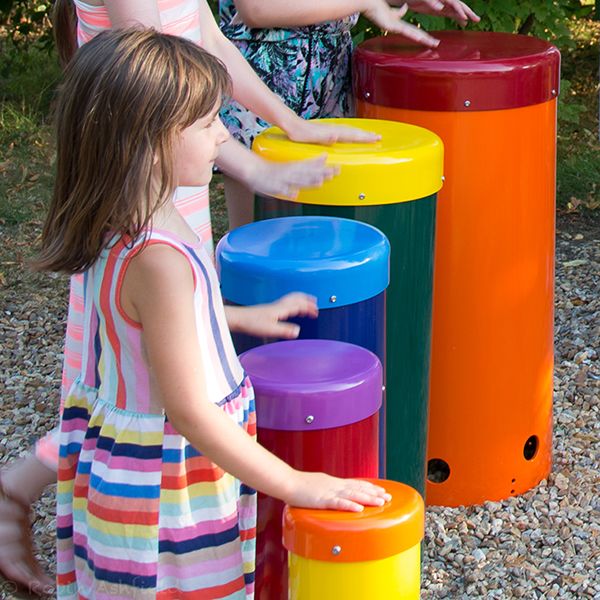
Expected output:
(546, 19)
(24, 21)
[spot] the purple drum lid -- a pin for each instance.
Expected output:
(301, 385)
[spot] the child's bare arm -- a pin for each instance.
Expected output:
(272, 178)
(289, 13)
(234, 158)
(20, 485)
(128, 13)
(157, 291)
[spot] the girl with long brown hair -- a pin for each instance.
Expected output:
(157, 430)
(23, 481)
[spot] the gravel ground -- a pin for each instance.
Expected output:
(543, 544)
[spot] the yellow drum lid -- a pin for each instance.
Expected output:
(375, 533)
(405, 164)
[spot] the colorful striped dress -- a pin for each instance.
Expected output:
(178, 17)
(140, 512)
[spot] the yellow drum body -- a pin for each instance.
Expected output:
(393, 578)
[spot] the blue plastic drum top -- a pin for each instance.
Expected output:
(339, 261)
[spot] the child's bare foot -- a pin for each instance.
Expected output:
(17, 561)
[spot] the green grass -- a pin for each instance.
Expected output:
(578, 144)
(580, 67)
(28, 77)
(26, 159)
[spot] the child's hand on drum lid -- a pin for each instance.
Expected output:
(287, 178)
(319, 490)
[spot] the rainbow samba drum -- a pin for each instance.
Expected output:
(492, 98)
(391, 184)
(357, 556)
(344, 264)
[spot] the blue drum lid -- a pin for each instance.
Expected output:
(339, 261)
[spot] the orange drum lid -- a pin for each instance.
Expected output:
(373, 534)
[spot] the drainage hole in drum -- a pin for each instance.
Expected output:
(531, 447)
(438, 470)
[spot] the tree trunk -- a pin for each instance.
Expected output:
(528, 24)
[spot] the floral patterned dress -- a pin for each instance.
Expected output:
(307, 67)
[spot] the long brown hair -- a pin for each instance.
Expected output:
(64, 26)
(124, 97)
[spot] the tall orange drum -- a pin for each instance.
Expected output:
(491, 97)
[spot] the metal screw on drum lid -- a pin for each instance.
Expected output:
(333, 299)
(309, 419)
(367, 94)
(336, 550)
(362, 196)
(467, 103)
(383, 388)
(554, 92)
(443, 178)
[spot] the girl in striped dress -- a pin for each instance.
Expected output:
(156, 434)
(78, 21)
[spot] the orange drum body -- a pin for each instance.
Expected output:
(490, 418)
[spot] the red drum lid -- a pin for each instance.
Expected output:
(468, 71)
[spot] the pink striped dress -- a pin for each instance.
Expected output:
(140, 512)
(178, 17)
